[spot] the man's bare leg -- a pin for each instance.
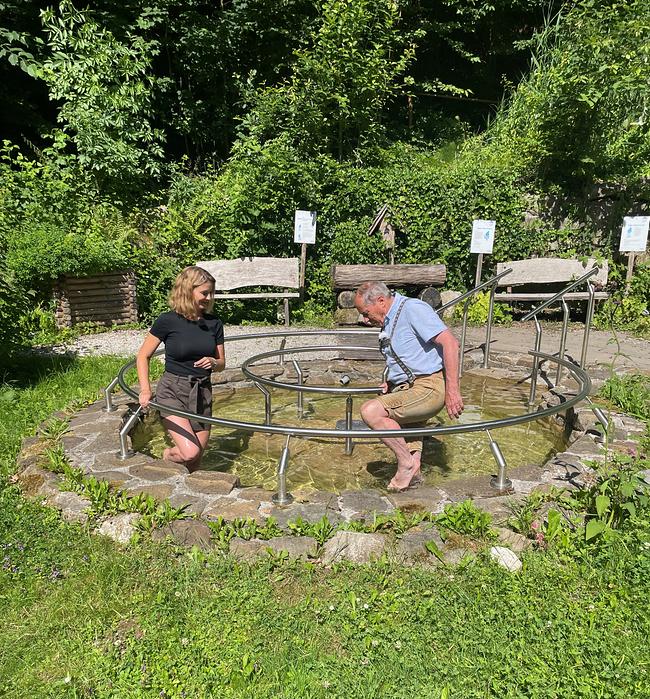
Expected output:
(408, 464)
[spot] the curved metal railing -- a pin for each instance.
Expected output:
(500, 482)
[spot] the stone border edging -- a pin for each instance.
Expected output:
(91, 445)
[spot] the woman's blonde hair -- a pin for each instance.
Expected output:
(181, 297)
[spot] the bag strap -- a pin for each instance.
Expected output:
(410, 376)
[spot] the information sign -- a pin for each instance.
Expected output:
(304, 229)
(483, 236)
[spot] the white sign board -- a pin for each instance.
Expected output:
(304, 227)
(634, 235)
(483, 236)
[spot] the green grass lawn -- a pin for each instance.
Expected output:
(80, 617)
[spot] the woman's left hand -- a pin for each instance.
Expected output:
(206, 363)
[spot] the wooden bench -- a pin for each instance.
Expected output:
(282, 272)
(545, 276)
(346, 278)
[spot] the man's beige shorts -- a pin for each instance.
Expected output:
(414, 405)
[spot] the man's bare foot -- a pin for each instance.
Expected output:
(405, 476)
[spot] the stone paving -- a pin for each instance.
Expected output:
(91, 444)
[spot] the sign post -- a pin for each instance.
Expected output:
(482, 243)
(304, 232)
(634, 238)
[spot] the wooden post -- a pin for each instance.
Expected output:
(630, 270)
(479, 269)
(303, 264)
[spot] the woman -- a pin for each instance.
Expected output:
(193, 349)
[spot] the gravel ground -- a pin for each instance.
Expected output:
(517, 338)
(127, 342)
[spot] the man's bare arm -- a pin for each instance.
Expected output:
(450, 360)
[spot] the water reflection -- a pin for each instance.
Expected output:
(321, 463)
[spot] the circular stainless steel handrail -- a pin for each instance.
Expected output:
(578, 374)
(299, 387)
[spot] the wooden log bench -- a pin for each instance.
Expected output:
(346, 278)
(540, 278)
(246, 272)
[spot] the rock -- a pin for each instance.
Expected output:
(158, 470)
(247, 550)
(159, 491)
(505, 558)
(514, 541)
(211, 482)
(302, 547)
(359, 504)
(311, 512)
(193, 505)
(185, 532)
(353, 546)
(116, 479)
(230, 509)
(35, 481)
(424, 498)
(254, 493)
(446, 297)
(411, 547)
(73, 507)
(347, 316)
(454, 557)
(120, 528)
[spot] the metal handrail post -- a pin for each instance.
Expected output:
(462, 338)
(488, 331)
(588, 319)
(282, 497)
(108, 396)
(296, 366)
(565, 328)
(267, 402)
(533, 375)
(499, 482)
(124, 452)
(283, 344)
(348, 425)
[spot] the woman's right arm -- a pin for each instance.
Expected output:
(149, 346)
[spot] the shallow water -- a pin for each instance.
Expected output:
(321, 464)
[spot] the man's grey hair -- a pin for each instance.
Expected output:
(369, 292)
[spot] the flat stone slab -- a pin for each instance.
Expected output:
(309, 512)
(355, 547)
(231, 509)
(185, 532)
(253, 493)
(116, 479)
(211, 482)
(423, 498)
(159, 491)
(193, 505)
(157, 471)
(35, 481)
(514, 541)
(361, 504)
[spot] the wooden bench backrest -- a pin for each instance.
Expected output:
(283, 272)
(551, 270)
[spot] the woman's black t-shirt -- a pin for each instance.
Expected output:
(186, 341)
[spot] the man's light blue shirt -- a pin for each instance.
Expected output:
(412, 339)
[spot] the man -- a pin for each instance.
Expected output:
(422, 359)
